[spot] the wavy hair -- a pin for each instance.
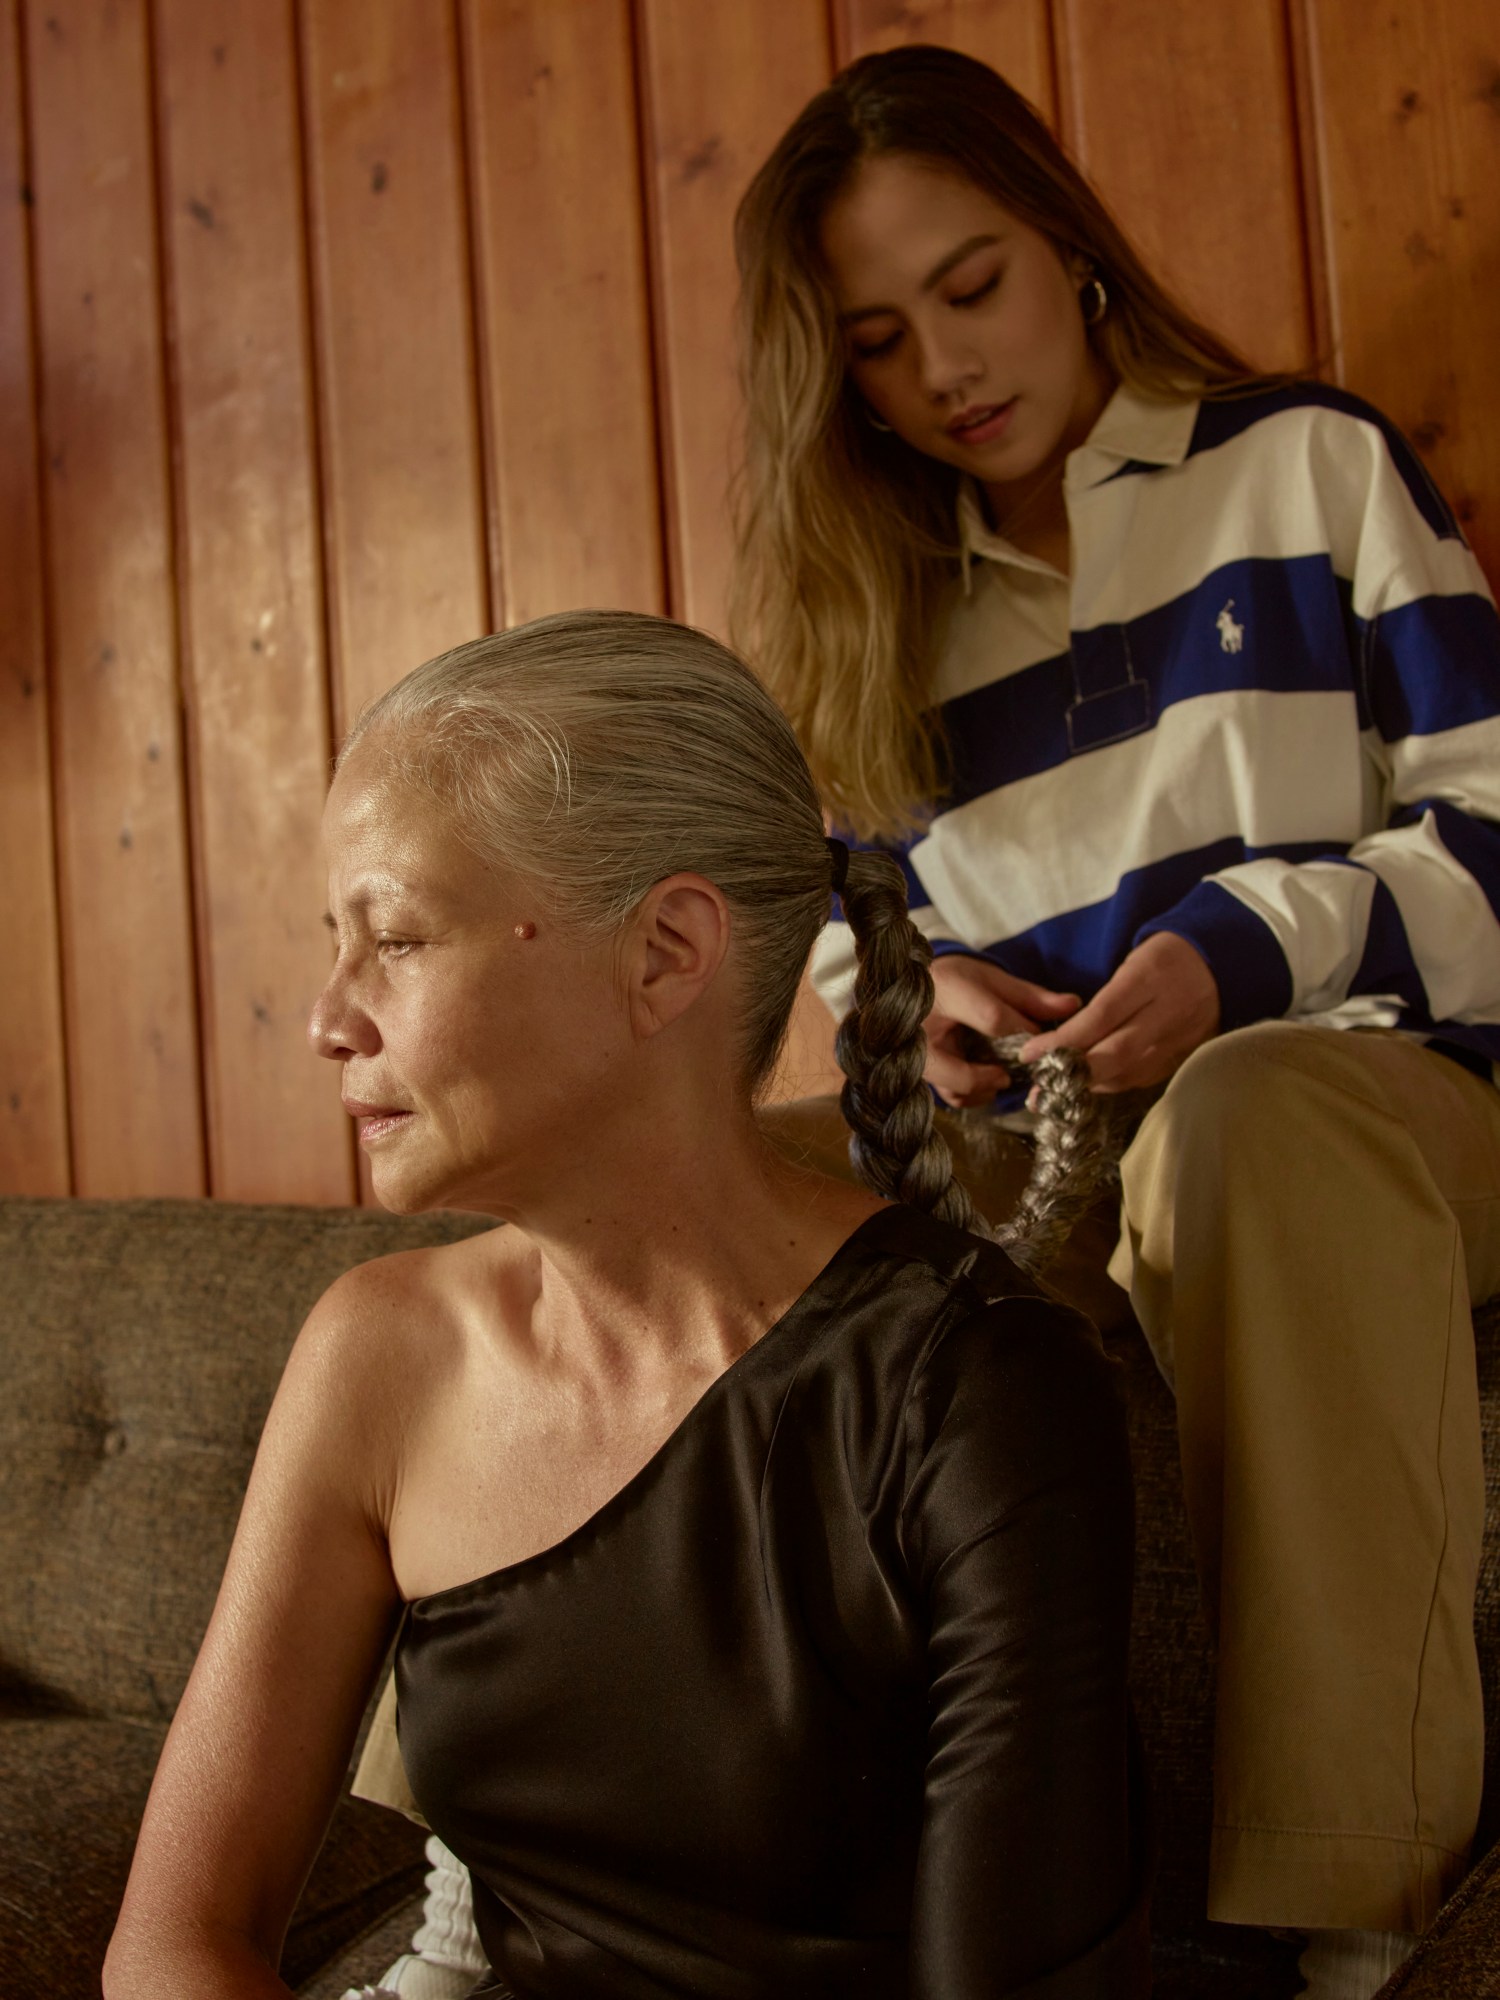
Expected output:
(846, 537)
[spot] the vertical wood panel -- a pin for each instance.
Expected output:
(33, 1101)
(560, 255)
(1406, 103)
(1183, 116)
(128, 955)
(720, 85)
(1012, 36)
(402, 493)
(251, 601)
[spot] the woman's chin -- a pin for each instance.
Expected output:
(403, 1187)
(411, 1187)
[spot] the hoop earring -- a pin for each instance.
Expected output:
(1093, 299)
(873, 421)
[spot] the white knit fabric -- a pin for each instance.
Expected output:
(446, 1956)
(1351, 1965)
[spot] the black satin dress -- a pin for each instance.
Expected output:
(829, 1700)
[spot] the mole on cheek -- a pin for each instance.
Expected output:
(526, 930)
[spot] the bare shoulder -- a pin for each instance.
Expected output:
(388, 1333)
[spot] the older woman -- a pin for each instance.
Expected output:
(759, 1548)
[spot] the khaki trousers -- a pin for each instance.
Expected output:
(1307, 1214)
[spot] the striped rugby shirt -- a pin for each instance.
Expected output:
(1264, 713)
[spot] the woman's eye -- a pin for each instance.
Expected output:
(872, 351)
(394, 947)
(980, 292)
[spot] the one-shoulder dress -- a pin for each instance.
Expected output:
(829, 1700)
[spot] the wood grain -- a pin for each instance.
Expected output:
(402, 486)
(1012, 36)
(252, 618)
(560, 258)
(1407, 99)
(720, 85)
(1183, 117)
(123, 865)
(33, 1091)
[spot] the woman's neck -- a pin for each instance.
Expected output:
(1037, 521)
(667, 1254)
(1032, 513)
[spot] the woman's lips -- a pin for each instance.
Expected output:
(984, 424)
(375, 1121)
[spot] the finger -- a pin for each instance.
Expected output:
(963, 1083)
(1127, 1060)
(1042, 1002)
(1106, 1012)
(983, 1010)
(974, 988)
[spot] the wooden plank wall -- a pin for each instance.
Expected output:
(335, 331)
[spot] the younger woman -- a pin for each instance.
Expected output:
(760, 1550)
(1176, 691)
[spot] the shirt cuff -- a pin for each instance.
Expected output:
(1239, 948)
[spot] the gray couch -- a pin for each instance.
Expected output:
(140, 1343)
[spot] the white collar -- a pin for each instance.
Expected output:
(1131, 428)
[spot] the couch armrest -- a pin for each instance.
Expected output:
(1458, 1958)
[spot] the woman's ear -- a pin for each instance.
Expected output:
(675, 946)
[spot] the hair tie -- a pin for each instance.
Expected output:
(838, 854)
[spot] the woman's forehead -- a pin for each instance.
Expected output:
(906, 215)
(379, 823)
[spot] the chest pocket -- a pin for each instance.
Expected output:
(1109, 701)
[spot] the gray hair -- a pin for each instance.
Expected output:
(598, 752)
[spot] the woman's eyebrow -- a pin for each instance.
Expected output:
(935, 276)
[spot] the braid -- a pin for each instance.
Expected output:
(1077, 1148)
(882, 1049)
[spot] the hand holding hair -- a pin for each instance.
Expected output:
(976, 1001)
(882, 1048)
(1144, 1023)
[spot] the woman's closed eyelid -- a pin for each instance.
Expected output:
(872, 350)
(977, 292)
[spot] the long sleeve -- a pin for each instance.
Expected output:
(1017, 1529)
(1403, 925)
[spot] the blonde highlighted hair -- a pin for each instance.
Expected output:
(847, 536)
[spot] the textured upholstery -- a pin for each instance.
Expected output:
(140, 1343)
(1459, 1958)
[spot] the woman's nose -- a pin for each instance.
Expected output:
(338, 1026)
(948, 363)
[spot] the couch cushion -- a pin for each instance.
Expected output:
(72, 1791)
(361, 1962)
(1459, 1958)
(140, 1344)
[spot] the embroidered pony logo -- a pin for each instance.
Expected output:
(1231, 634)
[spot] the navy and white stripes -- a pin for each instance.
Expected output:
(1265, 714)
